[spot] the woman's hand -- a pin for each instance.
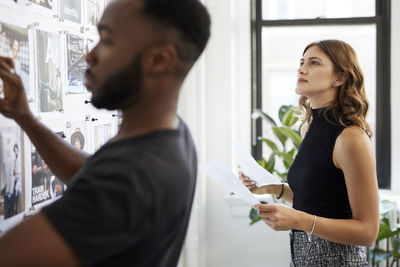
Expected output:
(251, 185)
(278, 217)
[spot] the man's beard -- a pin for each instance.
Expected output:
(121, 89)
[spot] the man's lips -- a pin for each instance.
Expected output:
(301, 80)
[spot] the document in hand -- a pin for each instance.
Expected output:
(222, 174)
(252, 169)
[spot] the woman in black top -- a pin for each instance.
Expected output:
(332, 182)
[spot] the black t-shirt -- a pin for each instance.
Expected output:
(130, 203)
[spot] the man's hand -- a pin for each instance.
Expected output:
(14, 105)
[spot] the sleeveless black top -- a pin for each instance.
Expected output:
(318, 186)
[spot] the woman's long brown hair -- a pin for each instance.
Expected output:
(351, 105)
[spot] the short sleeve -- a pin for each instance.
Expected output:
(102, 211)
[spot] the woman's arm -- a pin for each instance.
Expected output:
(353, 153)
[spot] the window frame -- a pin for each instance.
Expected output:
(382, 20)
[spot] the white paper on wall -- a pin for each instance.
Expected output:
(45, 185)
(12, 199)
(14, 43)
(49, 80)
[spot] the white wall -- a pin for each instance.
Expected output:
(215, 102)
(395, 95)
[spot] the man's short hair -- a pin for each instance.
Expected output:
(189, 17)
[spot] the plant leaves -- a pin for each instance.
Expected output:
(384, 230)
(270, 144)
(280, 135)
(287, 158)
(283, 110)
(380, 255)
(289, 133)
(271, 163)
(262, 162)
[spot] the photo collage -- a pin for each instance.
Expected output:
(48, 49)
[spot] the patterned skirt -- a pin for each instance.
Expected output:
(321, 252)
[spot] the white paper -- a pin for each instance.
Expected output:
(252, 169)
(223, 175)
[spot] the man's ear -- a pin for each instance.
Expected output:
(341, 79)
(160, 59)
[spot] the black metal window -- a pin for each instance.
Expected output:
(270, 35)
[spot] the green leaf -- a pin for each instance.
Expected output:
(270, 144)
(265, 117)
(287, 158)
(287, 118)
(384, 230)
(280, 135)
(380, 255)
(283, 176)
(283, 110)
(289, 133)
(262, 162)
(271, 163)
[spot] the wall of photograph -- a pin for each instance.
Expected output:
(48, 41)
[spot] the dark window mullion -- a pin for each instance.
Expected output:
(318, 21)
(383, 114)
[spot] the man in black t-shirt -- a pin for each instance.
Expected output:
(129, 203)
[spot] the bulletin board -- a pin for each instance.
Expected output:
(48, 41)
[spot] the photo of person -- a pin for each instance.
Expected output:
(45, 185)
(94, 10)
(49, 73)
(71, 10)
(102, 133)
(44, 3)
(11, 197)
(77, 135)
(14, 43)
(76, 64)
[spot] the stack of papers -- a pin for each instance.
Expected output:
(219, 171)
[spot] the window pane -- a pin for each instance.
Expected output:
(282, 48)
(309, 9)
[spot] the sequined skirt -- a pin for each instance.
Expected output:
(321, 252)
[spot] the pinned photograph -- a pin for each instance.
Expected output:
(49, 72)
(14, 43)
(11, 193)
(102, 133)
(71, 10)
(77, 135)
(44, 3)
(45, 185)
(94, 10)
(76, 51)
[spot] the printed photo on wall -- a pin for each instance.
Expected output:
(45, 185)
(94, 10)
(14, 43)
(49, 72)
(77, 135)
(44, 3)
(71, 10)
(11, 179)
(76, 51)
(102, 133)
